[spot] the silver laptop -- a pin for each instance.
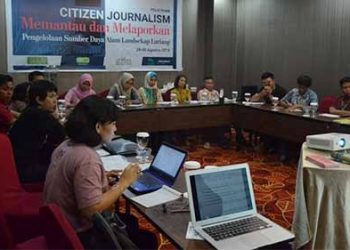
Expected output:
(223, 209)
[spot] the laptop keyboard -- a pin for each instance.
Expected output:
(234, 228)
(148, 180)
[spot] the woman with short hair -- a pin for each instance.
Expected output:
(37, 133)
(76, 180)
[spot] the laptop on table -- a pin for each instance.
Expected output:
(223, 209)
(163, 170)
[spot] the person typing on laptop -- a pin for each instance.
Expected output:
(76, 180)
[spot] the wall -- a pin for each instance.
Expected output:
(194, 11)
(291, 37)
(236, 40)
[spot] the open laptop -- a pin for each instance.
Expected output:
(223, 209)
(163, 170)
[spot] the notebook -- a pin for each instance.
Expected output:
(223, 209)
(163, 170)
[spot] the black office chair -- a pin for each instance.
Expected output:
(114, 231)
(252, 89)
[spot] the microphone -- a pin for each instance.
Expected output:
(341, 157)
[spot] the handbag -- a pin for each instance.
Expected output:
(114, 230)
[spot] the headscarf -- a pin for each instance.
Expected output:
(150, 92)
(148, 77)
(82, 94)
(120, 85)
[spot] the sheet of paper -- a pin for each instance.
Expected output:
(102, 152)
(344, 121)
(329, 115)
(191, 234)
(160, 196)
(114, 162)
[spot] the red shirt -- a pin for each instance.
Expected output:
(5, 118)
(342, 103)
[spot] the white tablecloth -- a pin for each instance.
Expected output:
(322, 205)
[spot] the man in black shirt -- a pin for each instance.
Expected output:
(270, 89)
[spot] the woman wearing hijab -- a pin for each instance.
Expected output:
(125, 87)
(150, 94)
(80, 91)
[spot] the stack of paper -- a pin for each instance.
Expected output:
(163, 195)
(114, 162)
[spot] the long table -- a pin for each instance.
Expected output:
(173, 225)
(292, 126)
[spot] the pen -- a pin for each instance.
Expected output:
(179, 211)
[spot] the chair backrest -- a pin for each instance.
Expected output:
(166, 95)
(104, 93)
(59, 233)
(252, 89)
(9, 181)
(62, 95)
(326, 103)
(6, 239)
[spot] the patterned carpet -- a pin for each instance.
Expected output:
(274, 183)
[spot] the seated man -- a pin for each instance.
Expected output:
(208, 93)
(300, 96)
(270, 89)
(7, 117)
(36, 76)
(342, 105)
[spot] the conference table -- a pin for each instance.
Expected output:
(174, 225)
(291, 126)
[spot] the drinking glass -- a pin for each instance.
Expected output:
(142, 139)
(234, 96)
(193, 89)
(247, 96)
(122, 100)
(306, 109)
(313, 108)
(275, 103)
(205, 97)
(173, 99)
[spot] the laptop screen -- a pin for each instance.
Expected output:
(220, 193)
(168, 160)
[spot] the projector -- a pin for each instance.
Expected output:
(329, 142)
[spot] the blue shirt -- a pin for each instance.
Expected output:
(293, 97)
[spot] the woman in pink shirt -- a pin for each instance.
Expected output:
(84, 88)
(76, 180)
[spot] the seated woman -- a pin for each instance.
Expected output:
(80, 91)
(150, 93)
(7, 117)
(125, 87)
(300, 96)
(183, 94)
(76, 180)
(342, 104)
(208, 93)
(37, 133)
(19, 100)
